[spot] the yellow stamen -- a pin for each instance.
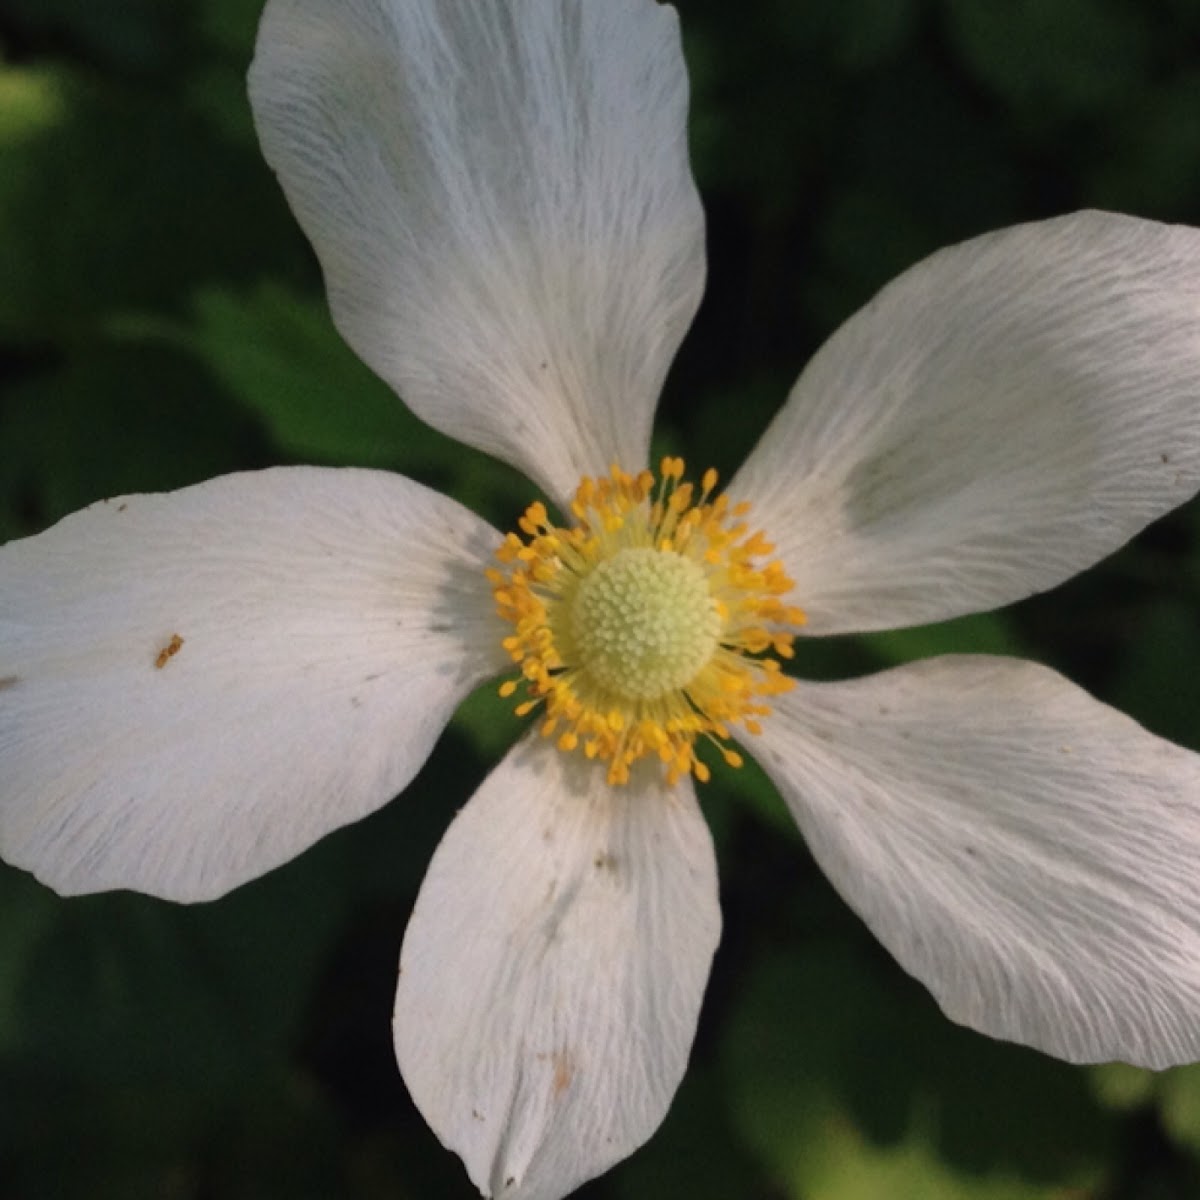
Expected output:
(645, 625)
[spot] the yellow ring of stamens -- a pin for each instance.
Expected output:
(647, 624)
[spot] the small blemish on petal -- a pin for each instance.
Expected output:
(564, 1072)
(9, 681)
(169, 651)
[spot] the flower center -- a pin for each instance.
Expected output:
(646, 624)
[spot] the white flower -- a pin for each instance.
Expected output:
(194, 687)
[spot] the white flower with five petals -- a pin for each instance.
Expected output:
(195, 687)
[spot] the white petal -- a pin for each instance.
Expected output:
(500, 198)
(325, 623)
(1026, 852)
(553, 969)
(1001, 416)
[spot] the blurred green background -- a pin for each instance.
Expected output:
(161, 321)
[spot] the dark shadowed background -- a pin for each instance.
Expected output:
(161, 321)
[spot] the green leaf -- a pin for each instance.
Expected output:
(695, 1154)
(130, 990)
(27, 912)
(1157, 681)
(1179, 1105)
(280, 355)
(230, 24)
(112, 420)
(1056, 60)
(33, 101)
(979, 633)
(139, 35)
(1151, 150)
(489, 722)
(115, 201)
(852, 1087)
(1120, 1086)
(856, 34)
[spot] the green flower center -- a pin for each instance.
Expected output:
(644, 622)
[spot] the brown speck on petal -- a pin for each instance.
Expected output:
(564, 1072)
(169, 651)
(9, 681)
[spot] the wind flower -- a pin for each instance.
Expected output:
(195, 687)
